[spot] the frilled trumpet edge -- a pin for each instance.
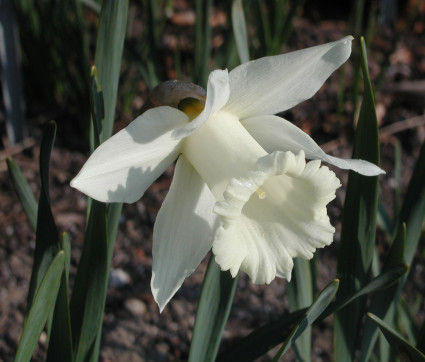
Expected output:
(275, 213)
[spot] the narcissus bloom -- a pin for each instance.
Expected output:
(241, 186)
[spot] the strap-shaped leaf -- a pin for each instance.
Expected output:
(60, 341)
(413, 209)
(109, 48)
(89, 293)
(402, 348)
(47, 238)
(300, 295)
(383, 281)
(218, 290)
(239, 31)
(97, 107)
(359, 224)
(407, 319)
(310, 316)
(42, 305)
(265, 338)
(25, 194)
(202, 41)
(412, 214)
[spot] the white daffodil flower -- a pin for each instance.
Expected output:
(241, 185)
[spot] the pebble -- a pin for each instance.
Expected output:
(135, 306)
(119, 278)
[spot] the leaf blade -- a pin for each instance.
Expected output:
(42, 305)
(89, 293)
(214, 306)
(239, 31)
(109, 48)
(314, 311)
(266, 337)
(359, 224)
(399, 345)
(25, 194)
(60, 341)
(47, 239)
(300, 295)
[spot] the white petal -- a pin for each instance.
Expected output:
(217, 96)
(123, 167)
(277, 134)
(273, 84)
(261, 235)
(183, 232)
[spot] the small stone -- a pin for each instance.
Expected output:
(135, 306)
(119, 278)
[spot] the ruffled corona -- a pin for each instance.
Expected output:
(261, 235)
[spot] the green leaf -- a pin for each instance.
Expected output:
(263, 27)
(402, 348)
(97, 106)
(398, 184)
(265, 338)
(47, 243)
(300, 294)
(226, 56)
(413, 209)
(60, 341)
(383, 220)
(359, 225)
(412, 215)
(314, 312)
(114, 214)
(283, 24)
(383, 304)
(406, 318)
(383, 281)
(89, 293)
(239, 31)
(66, 247)
(148, 52)
(218, 290)
(109, 48)
(58, 75)
(202, 41)
(25, 194)
(42, 305)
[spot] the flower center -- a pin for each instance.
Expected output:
(261, 194)
(192, 107)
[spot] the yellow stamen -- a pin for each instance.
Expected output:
(192, 107)
(261, 194)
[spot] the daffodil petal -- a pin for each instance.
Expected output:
(217, 96)
(261, 235)
(273, 84)
(123, 167)
(275, 133)
(183, 231)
